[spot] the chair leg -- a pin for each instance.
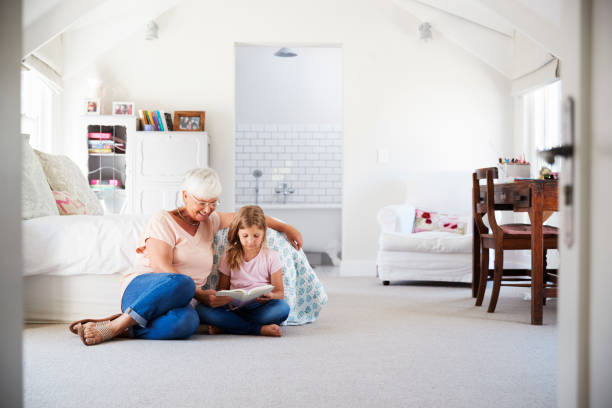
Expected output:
(484, 275)
(497, 278)
(546, 278)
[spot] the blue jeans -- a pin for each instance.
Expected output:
(246, 320)
(159, 302)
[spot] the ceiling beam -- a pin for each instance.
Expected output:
(529, 23)
(53, 23)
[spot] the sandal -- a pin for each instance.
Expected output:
(104, 328)
(73, 325)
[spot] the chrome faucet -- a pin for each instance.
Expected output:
(285, 190)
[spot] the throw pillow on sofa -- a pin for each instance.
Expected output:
(64, 175)
(36, 197)
(432, 221)
(68, 205)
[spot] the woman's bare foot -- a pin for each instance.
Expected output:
(97, 332)
(214, 330)
(272, 330)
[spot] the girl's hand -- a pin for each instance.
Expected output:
(218, 301)
(265, 298)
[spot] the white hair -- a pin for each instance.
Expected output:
(202, 182)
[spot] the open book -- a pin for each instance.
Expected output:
(242, 297)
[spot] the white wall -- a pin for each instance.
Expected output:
(432, 105)
(302, 89)
(11, 299)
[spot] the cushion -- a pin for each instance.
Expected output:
(64, 175)
(36, 197)
(432, 242)
(67, 205)
(432, 221)
(525, 229)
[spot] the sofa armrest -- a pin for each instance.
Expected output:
(396, 218)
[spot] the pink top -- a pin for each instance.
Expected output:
(192, 255)
(254, 273)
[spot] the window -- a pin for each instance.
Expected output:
(542, 124)
(37, 110)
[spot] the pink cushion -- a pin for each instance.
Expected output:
(432, 221)
(68, 205)
(525, 229)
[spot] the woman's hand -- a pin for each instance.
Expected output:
(218, 301)
(294, 236)
(209, 298)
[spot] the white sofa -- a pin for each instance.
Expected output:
(427, 256)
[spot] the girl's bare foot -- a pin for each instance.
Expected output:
(272, 330)
(214, 330)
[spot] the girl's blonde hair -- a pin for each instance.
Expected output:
(248, 216)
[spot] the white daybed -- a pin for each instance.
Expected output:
(427, 256)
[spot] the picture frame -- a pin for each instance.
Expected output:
(91, 106)
(123, 109)
(189, 121)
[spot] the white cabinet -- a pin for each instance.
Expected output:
(157, 162)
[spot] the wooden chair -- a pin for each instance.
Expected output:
(502, 237)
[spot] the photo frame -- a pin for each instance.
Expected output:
(91, 106)
(123, 108)
(189, 121)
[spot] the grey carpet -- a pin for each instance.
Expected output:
(373, 345)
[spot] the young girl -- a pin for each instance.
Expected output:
(246, 264)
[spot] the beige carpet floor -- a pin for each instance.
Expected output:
(404, 345)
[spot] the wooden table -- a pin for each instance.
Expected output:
(539, 198)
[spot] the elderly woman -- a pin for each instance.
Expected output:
(173, 260)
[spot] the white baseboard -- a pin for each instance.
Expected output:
(358, 268)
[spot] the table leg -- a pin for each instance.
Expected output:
(537, 252)
(475, 258)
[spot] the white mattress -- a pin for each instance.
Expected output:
(81, 244)
(445, 267)
(49, 298)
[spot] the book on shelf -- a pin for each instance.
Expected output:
(100, 151)
(100, 144)
(160, 121)
(100, 135)
(242, 297)
(169, 124)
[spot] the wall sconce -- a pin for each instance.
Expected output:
(425, 31)
(152, 31)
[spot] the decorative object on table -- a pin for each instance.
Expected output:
(189, 120)
(91, 106)
(511, 169)
(547, 174)
(123, 108)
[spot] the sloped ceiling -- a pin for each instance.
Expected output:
(89, 26)
(512, 36)
(507, 35)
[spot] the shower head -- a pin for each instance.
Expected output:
(257, 173)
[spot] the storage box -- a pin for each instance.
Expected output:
(510, 171)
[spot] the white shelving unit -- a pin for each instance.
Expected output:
(102, 167)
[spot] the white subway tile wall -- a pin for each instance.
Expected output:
(308, 157)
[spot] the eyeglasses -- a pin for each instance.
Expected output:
(203, 204)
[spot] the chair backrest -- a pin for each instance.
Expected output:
(486, 204)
